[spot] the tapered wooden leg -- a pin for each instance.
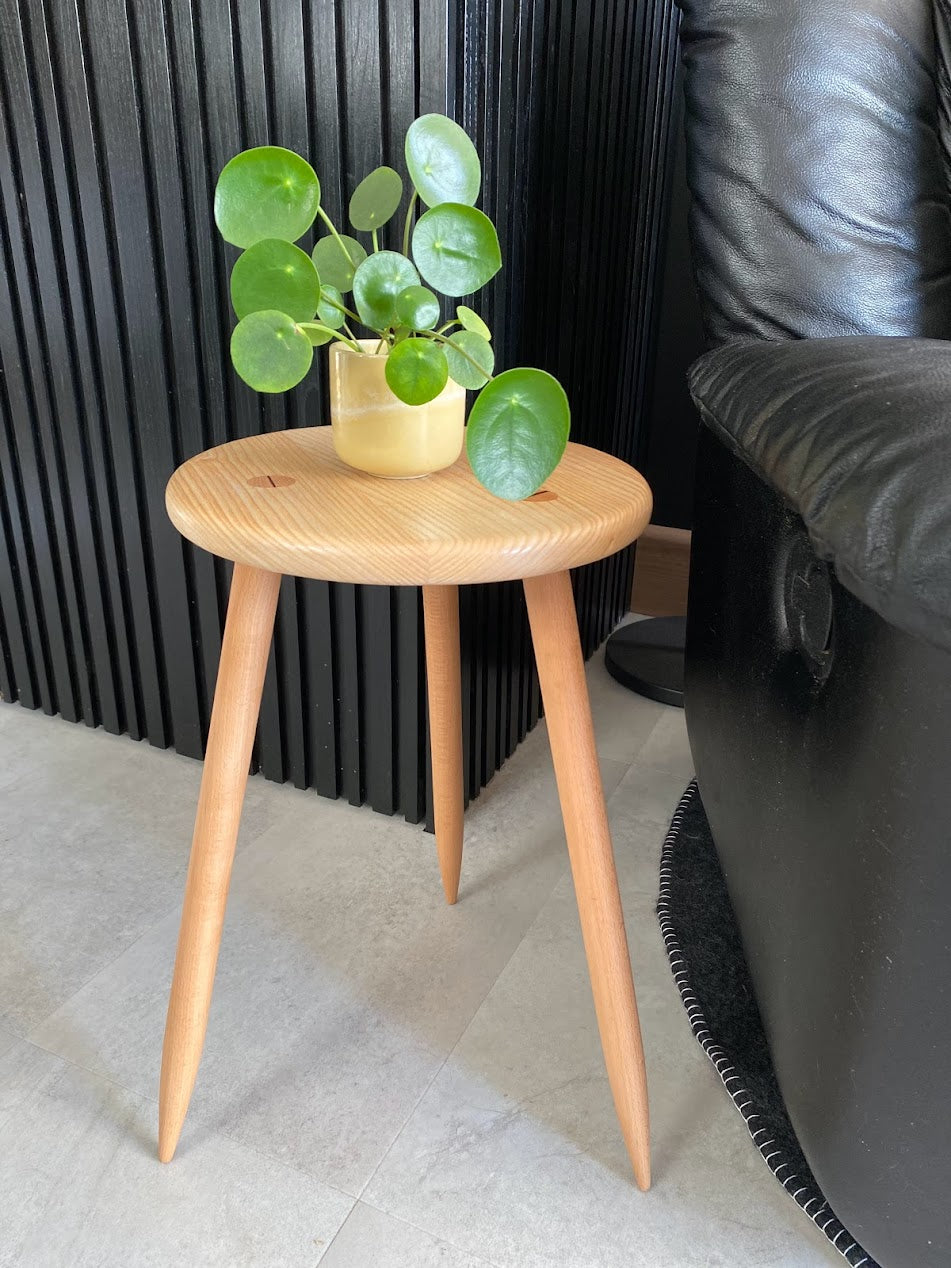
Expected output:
(554, 626)
(234, 715)
(444, 677)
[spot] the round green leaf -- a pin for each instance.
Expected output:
(268, 192)
(377, 283)
(416, 371)
(274, 274)
(270, 352)
(461, 370)
(376, 199)
(442, 161)
(330, 309)
(472, 321)
(517, 432)
(335, 264)
(417, 307)
(456, 248)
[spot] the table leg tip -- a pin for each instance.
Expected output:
(641, 1164)
(168, 1141)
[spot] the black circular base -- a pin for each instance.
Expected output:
(648, 657)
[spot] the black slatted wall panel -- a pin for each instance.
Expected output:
(115, 117)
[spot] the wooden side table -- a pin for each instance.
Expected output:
(284, 503)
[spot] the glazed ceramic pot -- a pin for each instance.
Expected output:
(376, 432)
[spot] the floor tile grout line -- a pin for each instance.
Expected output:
(166, 913)
(222, 1132)
(250, 847)
(27, 1038)
(439, 1237)
(359, 1197)
(565, 870)
(638, 758)
(666, 770)
(416, 1104)
(603, 755)
(462, 1033)
(260, 1152)
(343, 1223)
(282, 1162)
(362, 1198)
(207, 1128)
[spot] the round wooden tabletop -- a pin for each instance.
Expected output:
(286, 503)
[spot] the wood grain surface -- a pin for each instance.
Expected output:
(444, 684)
(661, 571)
(284, 502)
(551, 610)
(244, 655)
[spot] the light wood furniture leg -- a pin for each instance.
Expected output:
(234, 715)
(444, 678)
(554, 626)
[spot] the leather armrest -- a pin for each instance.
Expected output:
(855, 433)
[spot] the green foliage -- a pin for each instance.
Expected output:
(418, 308)
(442, 161)
(317, 332)
(377, 284)
(456, 248)
(289, 303)
(337, 259)
(267, 192)
(270, 351)
(275, 274)
(330, 310)
(417, 370)
(472, 321)
(518, 429)
(376, 199)
(471, 359)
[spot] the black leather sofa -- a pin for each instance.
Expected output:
(818, 673)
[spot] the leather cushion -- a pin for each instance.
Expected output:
(814, 156)
(855, 433)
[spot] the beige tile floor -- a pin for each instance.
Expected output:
(387, 1082)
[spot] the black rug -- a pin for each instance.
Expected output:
(706, 956)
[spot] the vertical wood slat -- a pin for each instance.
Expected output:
(144, 325)
(20, 349)
(20, 670)
(580, 135)
(45, 180)
(115, 119)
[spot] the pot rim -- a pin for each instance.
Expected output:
(368, 346)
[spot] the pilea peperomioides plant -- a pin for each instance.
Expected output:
(289, 302)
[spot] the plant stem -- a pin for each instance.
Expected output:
(408, 224)
(376, 240)
(326, 330)
(434, 334)
(448, 326)
(330, 225)
(341, 308)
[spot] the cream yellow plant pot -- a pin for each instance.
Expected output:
(374, 431)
